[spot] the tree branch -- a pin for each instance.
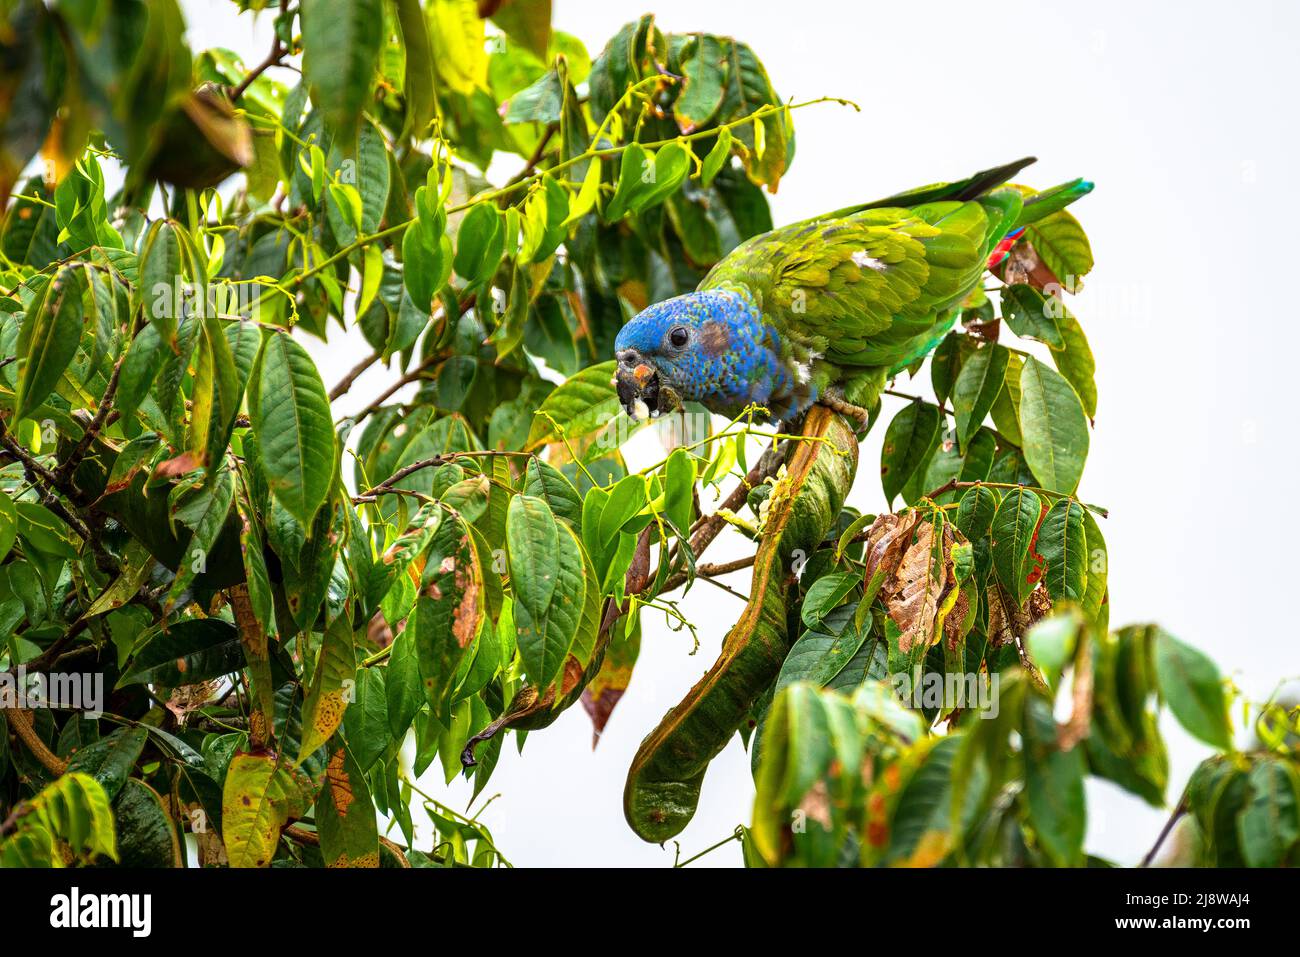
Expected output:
(953, 484)
(64, 471)
(354, 373)
(21, 722)
(1179, 810)
(274, 58)
(303, 836)
(1080, 723)
(706, 529)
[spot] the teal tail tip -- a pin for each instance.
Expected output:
(1051, 200)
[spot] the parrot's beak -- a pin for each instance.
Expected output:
(637, 383)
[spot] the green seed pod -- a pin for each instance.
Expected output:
(663, 784)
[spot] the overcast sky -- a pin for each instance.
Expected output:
(1187, 123)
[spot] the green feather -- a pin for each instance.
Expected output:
(877, 285)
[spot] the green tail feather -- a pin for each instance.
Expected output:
(961, 191)
(1049, 201)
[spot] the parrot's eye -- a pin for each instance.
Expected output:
(679, 337)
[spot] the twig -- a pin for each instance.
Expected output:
(274, 58)
(531, 166)
(33, 467)
(64, 471)
(916, 398)
(1179, 810)
(303, 836)
(953, 484)
(21, 722)
(707, 528)
(346, 382)
(1080, 723)
(737, 835)
(433, 462)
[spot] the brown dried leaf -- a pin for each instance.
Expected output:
(915, 592)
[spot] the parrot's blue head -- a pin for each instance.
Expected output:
(711, 347)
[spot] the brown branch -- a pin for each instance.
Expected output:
(463, 304)
(707, 528)
(274, 58)
(34, 468)
(312, 838)
(953, 485)
(387, 484)
(1179, 810)
(354, 373)
(64, 471)
(21, 722)
(1080, 723)
(710, 570)
(531, 166)
(916, 398)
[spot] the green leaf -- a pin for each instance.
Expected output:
(341, 40)
(479, 244)
(975, 512)
(402, 687)
(1074, 359)
(8, 524)
(146, 836)
(704, 68)
(679, 488)
(1054, 427)
(548, 483)
(526, 22)
(1053, 787)
(1062, 542)
(1269, 826)
(533, 539)
(449, 610)
(584, 403)
(1190, 683)
(111, 759)
(206, 514)
(976, 387)
(824, 650)
(1011, 533)
(290, 413)
(671, 165)
(1006, 407)
(75, 810)
(1063, 247)
(545, 637)
(825, 595)
(418, 87)
(1051, 644)
(716, 158)
(48, 339)
(635, 163)
(1094, 596)
(188, 652)
(345, 814)
(908, 441)
(1027, 312)
(332, 688)
(161, 274)
(258, 800)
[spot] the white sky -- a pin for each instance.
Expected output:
(1186, 121)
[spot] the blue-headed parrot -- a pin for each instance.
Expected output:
(827, 309)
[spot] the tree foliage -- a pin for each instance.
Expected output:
(276, 596)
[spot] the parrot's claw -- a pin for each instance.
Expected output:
(837, 404)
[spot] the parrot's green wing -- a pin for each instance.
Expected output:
(874, 287)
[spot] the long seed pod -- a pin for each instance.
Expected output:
(663, 784)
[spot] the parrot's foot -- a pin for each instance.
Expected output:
(838, 404)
